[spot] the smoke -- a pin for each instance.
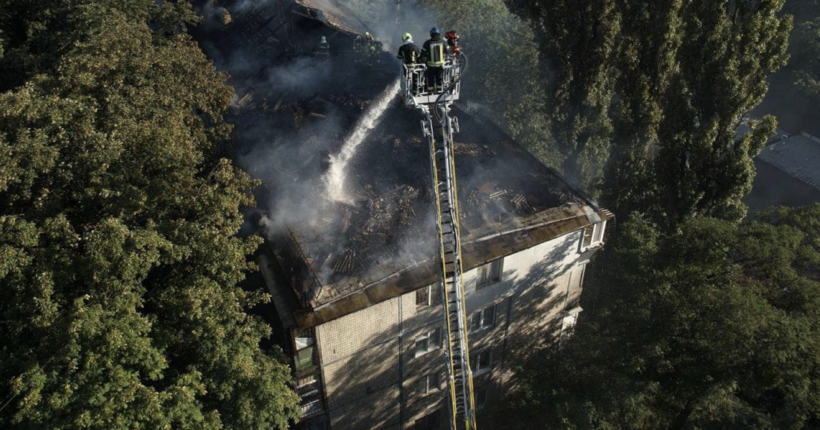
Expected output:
(389, 20)
(335, 178)
(294, 122)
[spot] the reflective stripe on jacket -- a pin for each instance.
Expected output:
(436, 54)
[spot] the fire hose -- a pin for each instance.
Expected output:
(462, 60)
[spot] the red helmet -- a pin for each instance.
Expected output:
(452, 40)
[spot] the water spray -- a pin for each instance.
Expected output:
(336, 175)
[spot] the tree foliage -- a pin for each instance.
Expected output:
(804, 67)
(713, 326)
(666, 83)
(119, 262)
(577, 43)
(40, 32)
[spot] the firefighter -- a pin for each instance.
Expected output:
(409, 53)
(453, 41)
(368, 49)
(358, 49)
(433, 52)
(376, 49)
(323, 49)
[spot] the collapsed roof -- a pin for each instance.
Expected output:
(338, 257)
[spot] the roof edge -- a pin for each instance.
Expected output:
(476, 253)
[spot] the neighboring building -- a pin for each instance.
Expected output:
(788, 173)
(355, 285)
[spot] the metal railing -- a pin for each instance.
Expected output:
(416, 88)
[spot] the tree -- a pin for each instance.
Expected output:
(713, 326)
(666, 83)
(119, 260)
(578, 42)
(804, 67)
(728, 54)
(40, 32)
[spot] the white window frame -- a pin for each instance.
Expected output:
(475, 364)
(596, 237)
(482, 319)
(433, 296)
(490, 273)
(598, 233)
(434, 335)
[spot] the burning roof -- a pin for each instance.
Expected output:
(292, 114)
(384, 243)
(335, 15)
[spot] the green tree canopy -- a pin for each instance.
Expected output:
(577, 43)
(713, 326)
(119, 262)
(663, 85)
(804, 67)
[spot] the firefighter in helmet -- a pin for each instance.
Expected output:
(409, 54)
(376, 49)
(433, 52)
(323, 49)
(358, 49)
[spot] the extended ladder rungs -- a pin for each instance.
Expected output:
(461, 403)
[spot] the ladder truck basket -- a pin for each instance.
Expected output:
(414, 87)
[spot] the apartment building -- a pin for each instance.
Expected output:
(355, 283)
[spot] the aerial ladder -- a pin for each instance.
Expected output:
(439, 133)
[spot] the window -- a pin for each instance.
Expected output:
(305, 357)
(480, 398)
(481, 362)
(428, 296)
(594, 234)
(570, 319)
(429, 383)
(429, 422)
(489, 273)
(483, 319)
(428, 342)
(598, 233)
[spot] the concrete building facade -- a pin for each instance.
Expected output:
(382, 367)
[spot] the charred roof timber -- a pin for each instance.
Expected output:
(336, 258)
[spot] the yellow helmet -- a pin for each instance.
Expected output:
(406, 37)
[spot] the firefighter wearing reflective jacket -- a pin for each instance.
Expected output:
(433, 53)
(358, 50)
(323, 49)
(375, 51)
(409, 54)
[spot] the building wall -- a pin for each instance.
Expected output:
(369, 361)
